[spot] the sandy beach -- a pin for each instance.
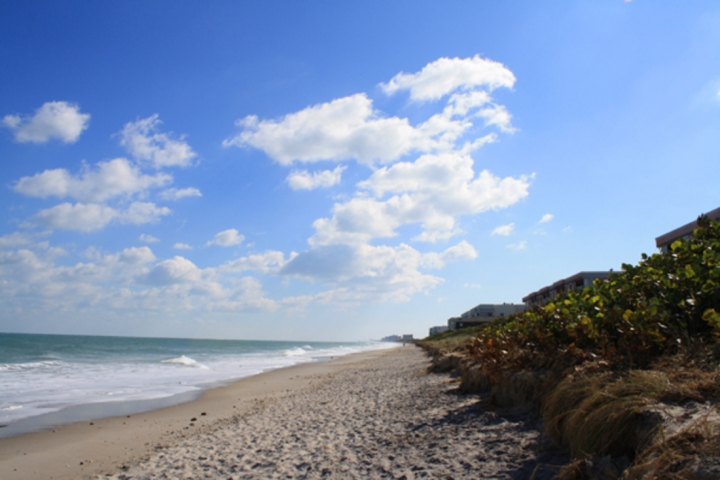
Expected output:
(369, 415)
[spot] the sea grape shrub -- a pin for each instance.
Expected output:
(667, 301)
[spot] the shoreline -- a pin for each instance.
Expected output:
(94, 446)
(88, 412)
(374, 414)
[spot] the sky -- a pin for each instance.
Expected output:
(339, 170)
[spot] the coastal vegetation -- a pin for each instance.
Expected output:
(624, 374)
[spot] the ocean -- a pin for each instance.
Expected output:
(47, 380)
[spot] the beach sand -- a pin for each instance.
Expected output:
(369, 415)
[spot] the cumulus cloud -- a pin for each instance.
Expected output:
(178, 193)
(106, 180)
(89, 217)
(522, 245)
(227, 238)
(547, 217)
(140, 213)
(131, 280)
(182, 246)
(148, 238)
(343, 129)
(504, 230)
(304, 180)
(461, 251)
(431, 191)
(59, 120)
(446, 75)
(422, 175)
(15, 239)
(80, 217)
(330, 262)
(144, 143)
(136, 256)
(349, 128)
(174, 270)
(363, 273)
(268, 262)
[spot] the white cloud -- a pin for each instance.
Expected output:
(461, 251)
(547, 217)
(303, 180)
(504, 230)
(343, 129)
(367, 273)
(136, 255)
(107, 180)
(182, 246)
(140, 213)
(499, 116)
(268, 262)
(447, 75)
(142, 141)
(432, 191)
(178, 193)
(148, 238)
(227, 238)
(174, 270)
(15, 239)
(522, 245)
(363, 273)
(59, 120)
(88, 217)
(126, 281)
(81, 217)
(473, 285)
(350, 128)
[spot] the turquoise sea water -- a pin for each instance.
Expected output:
(42, 376)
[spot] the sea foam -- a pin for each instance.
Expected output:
(183, 360)
(42, 374)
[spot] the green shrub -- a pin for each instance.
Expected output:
(667, 301)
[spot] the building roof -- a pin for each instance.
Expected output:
(565, 281)
(687, 229)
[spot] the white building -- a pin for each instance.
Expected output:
(483, 313)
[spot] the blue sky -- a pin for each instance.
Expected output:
(339, 170)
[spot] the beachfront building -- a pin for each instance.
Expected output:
(576, 282)
(663, 242)
(483, 313)
(439, 329)
(491, 311)
(391, 338)
(398, 338)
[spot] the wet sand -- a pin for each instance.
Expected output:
(368, 415)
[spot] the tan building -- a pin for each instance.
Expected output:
(663, 242)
